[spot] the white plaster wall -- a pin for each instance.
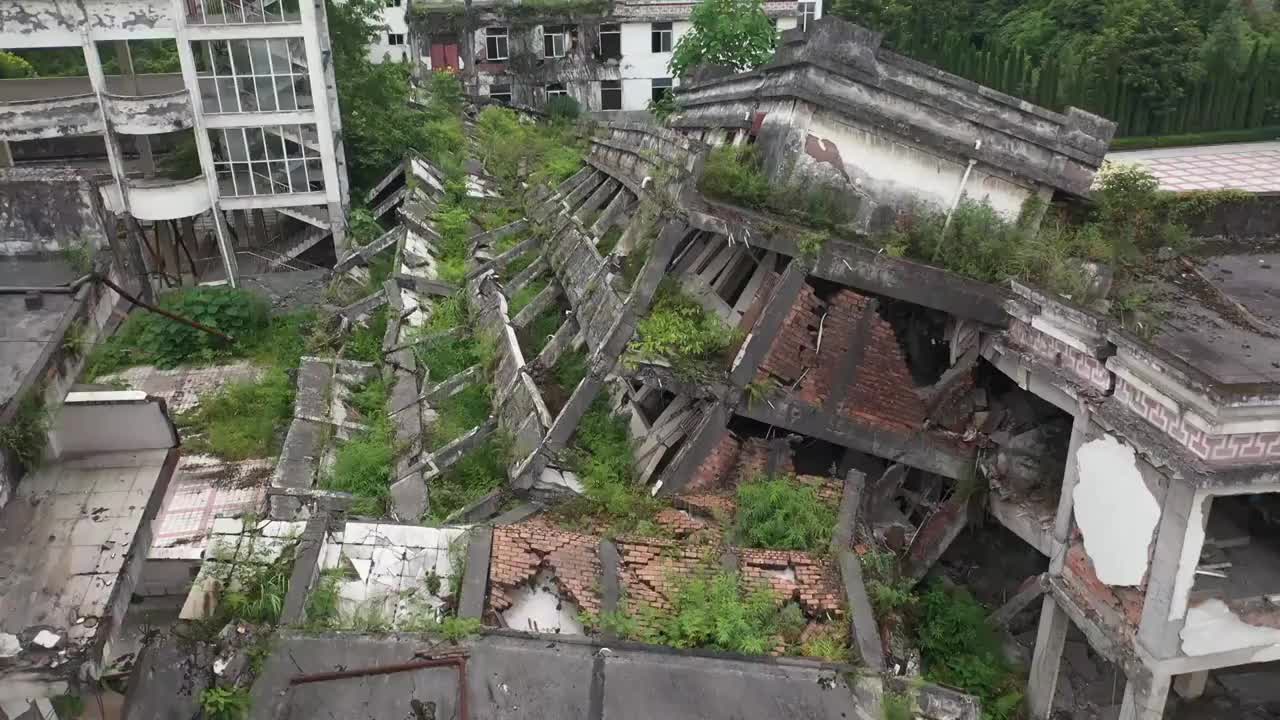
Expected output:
(170, 201)
(640, 64)
(882, 165)
(49, 23)
(539, 608)
(1116, 511)
(392, 21)
(95, 422)
(1212, 628)
(786, 23)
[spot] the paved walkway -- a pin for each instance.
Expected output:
(1254, 167)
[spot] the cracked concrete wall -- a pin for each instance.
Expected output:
(49, 23)
(150, 115)
(43, 119)
(45, 210)
(1116, 510)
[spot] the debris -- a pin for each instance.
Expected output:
(9, 645)
(46, 639)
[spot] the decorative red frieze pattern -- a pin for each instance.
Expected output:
(1239, 449)
(1059, 354)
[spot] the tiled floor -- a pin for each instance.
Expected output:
(203, 489)
(64, 539)
(181, 388)
(1254, 167)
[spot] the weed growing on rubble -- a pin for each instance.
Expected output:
(460, 413)
(782, 514)
(27, 434)
(960, 649)
(683, 333)
(896, 706)
(525, 295)
(717, 612)
(601, 457)
(362, 464)
(548, 152)
(225, 703)
(242, 419)
(479, 472)
(365, 343)
(323, 600)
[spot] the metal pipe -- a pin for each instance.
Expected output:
(160, 311)
(458, 661)
(955, 203)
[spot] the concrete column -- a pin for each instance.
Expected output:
(242, 228)
(98, 82)
(1046, 663)
(1157, 632)
(260, 225)
(142, 142)
(1145, 698)
(203, 147)
(6, 155)
(1191, 685)
(324, 91)
(1070, 477)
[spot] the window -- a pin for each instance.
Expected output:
(237, 12)
(500, 93)
(610, 94)
(272, 160)
(252, 75)
(395, 39)
(553, 41)
(495, 44)
(660, 37)
(807, 11)
(611, 41)
(660, 89)
(556, 90)
(394, 3)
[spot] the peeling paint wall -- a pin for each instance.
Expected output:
(1116, 510)
(49, 210)
(150, 115)
(48, 23)
(1212, 627)
(42, 119)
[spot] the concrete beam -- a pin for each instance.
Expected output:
(1031, 588)
(475, 580)
(306, 568)
(1046, 662)
(610, 585)
(865, 631)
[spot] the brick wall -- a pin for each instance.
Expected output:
(520, 551)
(882, 392)
(717, 465)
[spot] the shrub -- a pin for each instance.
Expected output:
(225, 703)
(683, 333)
(365, 343)
(478, 472)
(362, 228)
(525, 295)
(460, 413)
(362, 467)
(732, 173)
(562, 108)
(27, 434)
(715, 612)
(149, 338)
(782, 514)
(960, 649)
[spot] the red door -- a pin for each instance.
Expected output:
(444, 55)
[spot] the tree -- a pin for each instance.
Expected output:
(13, 66)
(1155, 46)
(732, 33)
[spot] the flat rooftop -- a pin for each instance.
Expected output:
(25, 334)
(1252, 167)
(1222, 316)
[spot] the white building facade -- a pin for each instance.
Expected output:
(255, 90)
(611, 60)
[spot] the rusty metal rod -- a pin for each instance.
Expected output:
(458, 661)
(160, 311)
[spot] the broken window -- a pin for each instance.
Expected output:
(496, 44)
(272, 160)
(660, 37)
(252, 75)
(553, 41)
(556, 90)
(394, 3)
(660, 88)
(611, 41)
(1239, 562)
(219, 12)
(395, 39)
(500, 93)
(808, 12)
(610, 94)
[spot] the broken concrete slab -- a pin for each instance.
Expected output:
(409, 497)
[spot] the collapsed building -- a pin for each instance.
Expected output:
(612, 57)
(1138, 469)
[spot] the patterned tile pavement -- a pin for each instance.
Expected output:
(203, 489)
(1254, 167)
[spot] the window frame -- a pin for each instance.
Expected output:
(615, 87)
(550, 34)
(491, 41)
(806, 13)
(393, 37)
(229, 71)
(560, 91)
(661, 39)
(615, 30)
(501, 90)
(260, 159)
(655, 85)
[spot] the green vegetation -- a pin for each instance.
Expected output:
(459, 413)
(27, 434)
(683, 333)
(783, 514)
(562, 108)
(149, 56)
(147, 338)
(729, 33)
(717, 612)
(365, 343)
(525, 295)
(897, 706)
(1217, 137)
(68, 707)
(225, 703)
(362, 228)
(548, 152)
(363, 464)
(889, 592)
(478, 473)
(541, 329)
(242, 420)
(1155, 66)
(379, 123)
(601, 458)
(735, 174)
(961, 650)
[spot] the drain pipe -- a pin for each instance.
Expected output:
(955, 201)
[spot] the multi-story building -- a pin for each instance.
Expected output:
(391, 44)
(610, 56)
(255, 97)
